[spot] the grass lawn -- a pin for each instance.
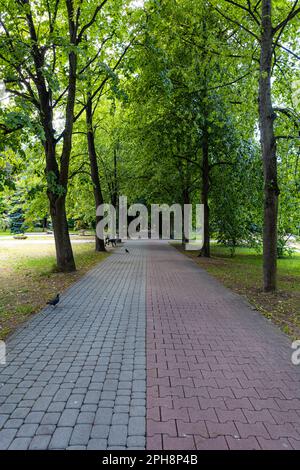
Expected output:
(28, 278)
(243, 274)
(7, 233)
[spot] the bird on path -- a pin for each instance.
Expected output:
(54, 301)
(126, 250)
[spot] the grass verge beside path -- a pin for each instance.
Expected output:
(28, 279)
(243, 274)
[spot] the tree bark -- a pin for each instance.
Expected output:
(64, 253)
(115, 195)
(57, 179)
(268, 146)
(205, 251)
(57, 200)
(45, 223)
(98, 197)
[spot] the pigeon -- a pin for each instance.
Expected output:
(126, 250)
(54, 301)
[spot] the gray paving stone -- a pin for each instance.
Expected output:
(92, 397)
(108, 394)
(13, 423)
(111, 385)
(6, 437)
(56, 407)
(121, 409)
(20, 413)
(104, 416)
(33, 393)
(45, 429)
(39, 442)
(122, 400)
(3, 419)
(62, 395)
(106, 403)
(20, 443)
(136, 442)
(139, 386)
(61, 438)
(50, 390)
(34, 417)
(50, 418)
(116, 448)
(117, 435)
(86, 417)
(41, 404)
(120, 418)
(136, 410)
(75, 401)
(7, 408)
(80, 434)
(100, 431)
(68, 417)
(97, 444)
(76, 448)
(137, 426)
(89, 408)
(27, 430)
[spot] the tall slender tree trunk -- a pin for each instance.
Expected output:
(268, 145)
(115, 194)
(45, 223)
(205, 251)
(186, 200)
(56, 193)
(98, 197)
(205, 191)
(64, 253)
(57, 178)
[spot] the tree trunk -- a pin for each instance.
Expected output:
(57, 179)
(64, 254)
(205, 251)
(186, 200)
(268, 146)
(45, 223)
(98, 197)
(115, 196)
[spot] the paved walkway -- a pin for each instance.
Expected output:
(75, 377)
(218, 374)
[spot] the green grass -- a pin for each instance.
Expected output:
(8, 233)
(28, 278)
(243, 274)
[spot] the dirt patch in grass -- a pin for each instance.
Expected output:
(28, 279)
(243, 274)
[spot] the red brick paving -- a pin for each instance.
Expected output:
(219, 375)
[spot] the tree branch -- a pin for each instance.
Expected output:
(93, 19)
(100, 87)
(236, 23)
(294, 12)
(248, 10)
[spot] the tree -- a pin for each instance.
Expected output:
(36, 43)
(259, 25)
